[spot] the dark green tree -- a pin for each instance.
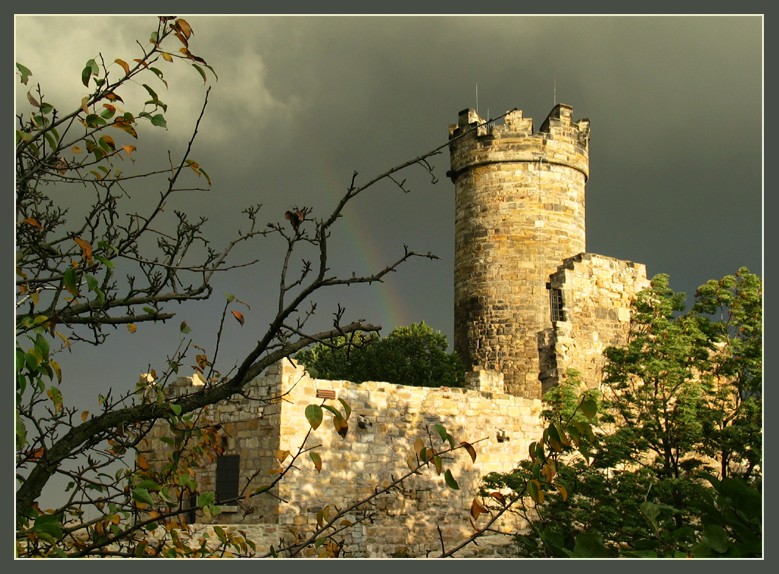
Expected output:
(675, 467)
(415, 355)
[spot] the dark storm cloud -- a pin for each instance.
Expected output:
(302, 102)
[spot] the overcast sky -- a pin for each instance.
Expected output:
(675, 104)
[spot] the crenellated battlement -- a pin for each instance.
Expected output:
(559, 141)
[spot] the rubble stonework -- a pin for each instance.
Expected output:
(597, 294)
(385, 422)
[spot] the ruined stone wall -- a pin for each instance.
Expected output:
(386, 419)
(519, 212)
(249, 428)
(597, 294)
(385, 422)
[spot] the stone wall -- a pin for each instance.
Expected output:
(385, 422)
(597, 294)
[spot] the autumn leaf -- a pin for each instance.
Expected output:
(107, 140)
(341, 426)
(499, 497)
(112, 97)
(418, 446)
(238, 316)
(131, 327)
(184, 27)
(201, 360)
(124, 65)
(32, 100)
(471, 451)
(33, 222)
(57, 369)
(477, 509)
(125, 126)
(167, 57)
(281, 455)
(86, 249)
(141, 461)
(56, 397)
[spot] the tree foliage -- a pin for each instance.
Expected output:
(415, 355)
(672, 464)
(81, 274)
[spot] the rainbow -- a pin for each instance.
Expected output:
(392, 310)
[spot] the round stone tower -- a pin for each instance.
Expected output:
(519, 200)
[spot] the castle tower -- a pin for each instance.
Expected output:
(519, 200)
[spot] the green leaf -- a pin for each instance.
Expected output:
(176, 409)
(148, 484)
(441, 432)
(48, 524)
(91, 282)
(314, 416)
(24, 71)
(21, 433)
(715, 537)
(589, 407)
(42, 345)
(347, 408)
(205, 499)
(450, 481)
(438, 463)
(220, 533)
(316, 459)
(651, 511)
(50, 139)
(70, 281)
(590, 545)
(89, 70)
(205, 174)
(333, 410)
(152, 93)
(159, 121)
(142, 495)
(201, 72)
(94, 121)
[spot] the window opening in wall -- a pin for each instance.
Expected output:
(556, 304)
(227, 474)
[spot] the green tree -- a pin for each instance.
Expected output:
(415, 355)
(674, 467)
